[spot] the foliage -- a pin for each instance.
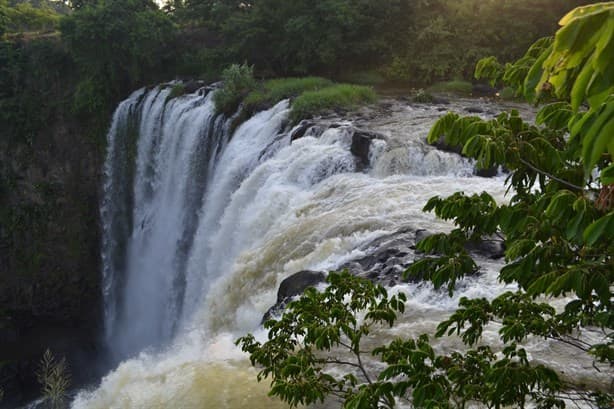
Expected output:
(336, 97)
(558, 229)
(118, 45)
(238, 82)
(177, 90)
(294, 38)
(54, 377)
(446, 37)
(26, 17)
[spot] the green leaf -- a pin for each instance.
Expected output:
(601, 227)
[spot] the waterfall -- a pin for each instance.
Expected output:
(200, 225)
(161, 147)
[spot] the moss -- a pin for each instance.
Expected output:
(341, 96)
(455, 87)
(176, 91)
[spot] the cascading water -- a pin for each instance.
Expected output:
(194, 252)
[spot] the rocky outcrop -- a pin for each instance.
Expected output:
(387, 259)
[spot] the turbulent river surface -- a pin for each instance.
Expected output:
(202, 224)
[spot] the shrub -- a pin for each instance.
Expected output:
(176, 91)
(423, 97)
(342, 96)
(54, 378)
(238, 83)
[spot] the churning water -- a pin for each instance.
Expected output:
(202, 224)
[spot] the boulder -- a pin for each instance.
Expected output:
(192, 86)
(443, 146)
(489, 247)
(292, 286)
(300, 130)
(361, 146)
(487, 173)
(483, 90)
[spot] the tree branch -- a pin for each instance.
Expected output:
(551, 176)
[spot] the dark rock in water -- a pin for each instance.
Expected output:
(483, 90)
(292, 286)
(443, 146)
(487, 173)
(440, 101)
(491, 247)
(193, 86)
(297, 283)
(474, 110)
(361, 145)
(422, 234)
(300, 130)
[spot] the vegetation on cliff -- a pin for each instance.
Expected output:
(559, 236)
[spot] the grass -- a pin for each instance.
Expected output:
(176, 91)
(273, 91)
(310, 95)
(455, 87)
(340, 96)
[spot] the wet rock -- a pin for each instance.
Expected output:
(422, 234)
(440, 101)
(443, 146)
(361, 145)
(292, 286)
(474, 110)
(487, 173)
(297, 283)
(483, 90)
(491, 247)
(192, 86)
(300, 130)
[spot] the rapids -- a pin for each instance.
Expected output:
(200, 225)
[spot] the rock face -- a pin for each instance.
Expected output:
(50, 294)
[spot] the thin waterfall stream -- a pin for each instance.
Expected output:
(201, 223)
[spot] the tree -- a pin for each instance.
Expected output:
(559, 235)
(118, 45)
